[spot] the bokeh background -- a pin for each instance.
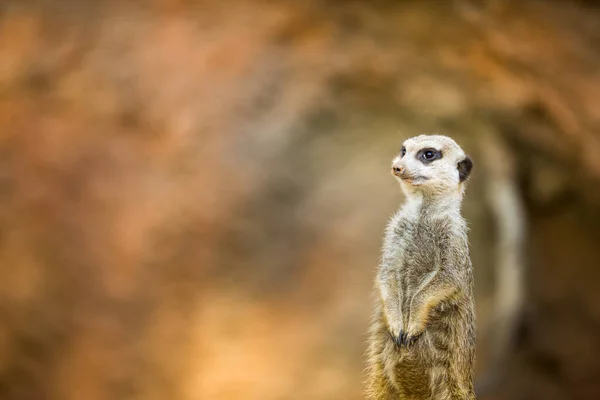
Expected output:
(193, 193)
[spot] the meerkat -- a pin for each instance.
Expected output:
(422, 338)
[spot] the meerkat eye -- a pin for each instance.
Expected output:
(403, 151)
(429, 155)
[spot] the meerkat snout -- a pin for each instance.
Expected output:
(397, 170)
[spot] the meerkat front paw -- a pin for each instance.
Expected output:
(397, 334)
(403, 338)
(412, 339)
(395, 329)
(394, 321)
(397, 339)
(413, 333)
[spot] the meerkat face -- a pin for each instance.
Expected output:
(431, 164)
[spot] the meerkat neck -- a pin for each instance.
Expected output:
(433, 204)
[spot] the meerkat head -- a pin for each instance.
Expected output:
(431, 164)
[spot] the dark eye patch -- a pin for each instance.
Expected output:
(403, 151)
(428, 155)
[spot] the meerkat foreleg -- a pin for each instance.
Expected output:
(391, 295)
(435, 288)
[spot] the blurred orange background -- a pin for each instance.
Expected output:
(193, 193)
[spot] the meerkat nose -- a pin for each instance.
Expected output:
(398, 169)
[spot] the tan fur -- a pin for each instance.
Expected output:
(422, 337)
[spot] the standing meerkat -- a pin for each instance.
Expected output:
(422, 339)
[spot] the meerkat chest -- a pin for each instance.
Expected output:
(420, 247)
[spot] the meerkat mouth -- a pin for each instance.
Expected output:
(411, 179)
(417, 180)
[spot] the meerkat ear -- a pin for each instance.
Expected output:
(464, 168)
